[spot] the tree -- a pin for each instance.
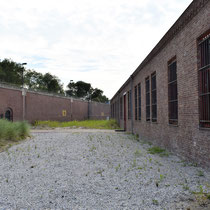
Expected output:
(46, 82)
(34, 80)
(11, 72)
(52, 83)
(79, 89)
(84, 90)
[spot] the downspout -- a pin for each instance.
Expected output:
(88, 109)
(131, 83)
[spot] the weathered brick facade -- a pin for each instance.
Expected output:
(32, 106)
(186, 138)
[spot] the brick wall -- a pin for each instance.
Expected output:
(44, 106)
(11, 98)
(187, 138)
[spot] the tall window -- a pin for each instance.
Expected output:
(204, 81)
(154, 97)
(136, 103)
(147, 83)
(172, 93)
(139, 99)
(129, 104)
(121, 107)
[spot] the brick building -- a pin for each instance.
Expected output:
(166, 100)
(20, 104)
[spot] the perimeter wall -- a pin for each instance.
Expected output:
(31, 106)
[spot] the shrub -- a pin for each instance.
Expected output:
(13, 131)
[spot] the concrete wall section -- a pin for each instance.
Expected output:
(42, 107)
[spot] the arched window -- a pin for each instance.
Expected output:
(9, 114)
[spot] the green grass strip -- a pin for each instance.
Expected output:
(93, 124)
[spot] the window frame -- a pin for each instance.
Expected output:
(139, 101)
(136, 103)
(129, 105)
(204, 80)
(154, 90)
(147, 96)
(172, 85)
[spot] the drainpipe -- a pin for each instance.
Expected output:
(131, 83)
(88, 109)
(71, 107)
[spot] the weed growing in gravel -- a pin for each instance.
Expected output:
(201, 196)
(200, 173)
(138, 153)
(117, 167)
(155, 202)
(158, 150)
(161, 177)
(134, 163)
(185, 187)
(133, 137)
(100, 171)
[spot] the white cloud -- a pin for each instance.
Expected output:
(101, 42)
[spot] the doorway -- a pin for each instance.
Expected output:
(125, 112)
(9, 114)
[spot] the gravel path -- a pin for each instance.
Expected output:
(83, 169)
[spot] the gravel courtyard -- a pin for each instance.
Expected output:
(94, 169)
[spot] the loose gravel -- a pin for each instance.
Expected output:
(84, 169)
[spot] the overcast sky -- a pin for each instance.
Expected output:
(97, 41)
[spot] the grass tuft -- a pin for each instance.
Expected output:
(94, 124)
(158, 150)
(10, 131)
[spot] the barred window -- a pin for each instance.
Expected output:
(154, 97)
(204, 80)
(136, 114)
(147, 84)
(139, 100)
(121, 107)
(172, 93)
(129, 104)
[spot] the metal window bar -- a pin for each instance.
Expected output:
(147, 83)
(139, 100)
(204, 82)
(136, 114)
(154, 97)
(172, 93)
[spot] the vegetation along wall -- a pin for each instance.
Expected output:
(166, 100)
